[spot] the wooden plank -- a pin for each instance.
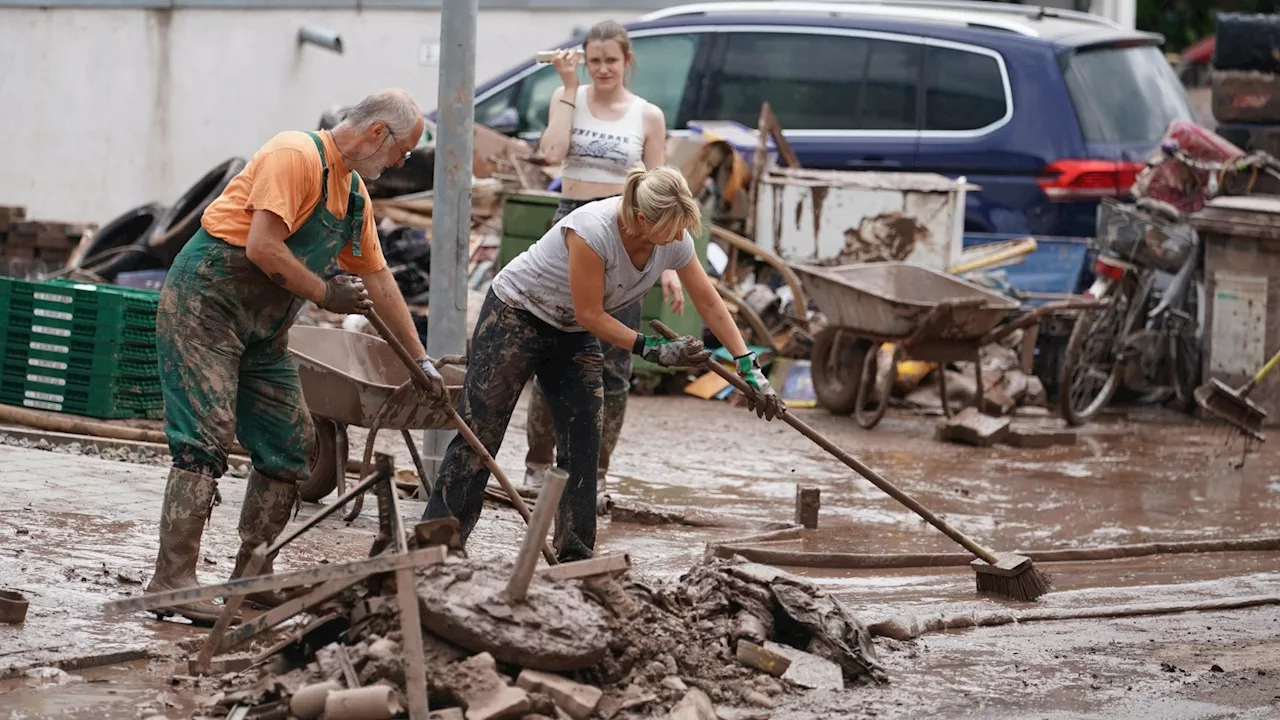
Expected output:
(599, 565)
(785, 151)
(275, 616)
(415, 670)
(355, 570)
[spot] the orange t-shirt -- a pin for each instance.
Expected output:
(284, 177)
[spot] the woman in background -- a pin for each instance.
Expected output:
(600, 132)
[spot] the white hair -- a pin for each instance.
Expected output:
(392, 106)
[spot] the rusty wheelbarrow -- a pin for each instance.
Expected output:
(350, 378)
(926, 314)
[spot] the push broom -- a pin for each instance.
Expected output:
(1011, 576)
(1234, 406)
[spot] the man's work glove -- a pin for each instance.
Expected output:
(345, 294)
(686, 351)
(767, 403)
(438, 391)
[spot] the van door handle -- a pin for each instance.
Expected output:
(873, 162)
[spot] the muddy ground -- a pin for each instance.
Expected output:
(74, 537)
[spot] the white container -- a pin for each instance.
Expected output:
(837, 217)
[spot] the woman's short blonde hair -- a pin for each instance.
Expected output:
(662, 196)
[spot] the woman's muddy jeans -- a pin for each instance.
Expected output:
(509, 347)
(539, 426)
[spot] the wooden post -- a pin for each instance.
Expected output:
(808, 502)
(415, 671)
(543, 512)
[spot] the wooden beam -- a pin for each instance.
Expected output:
(599, 565)
(356, 570)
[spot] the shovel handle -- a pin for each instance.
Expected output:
(871, 475)
(425, 383)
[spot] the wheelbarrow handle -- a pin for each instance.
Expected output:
(425, 383)
(871, 475)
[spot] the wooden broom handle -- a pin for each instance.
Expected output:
(866, 472)
(424, 382)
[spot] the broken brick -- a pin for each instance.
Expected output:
(484, 693)
(768, 661)
(1039, 437)
(579, 700)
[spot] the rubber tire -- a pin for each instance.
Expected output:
(837, 392)
(1075, 346)
(331, 440)
(869, 382)
(182, 221)
(131, 228)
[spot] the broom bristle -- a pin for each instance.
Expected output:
(1025, 586)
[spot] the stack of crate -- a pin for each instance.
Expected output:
(79, 348)
(49, 242)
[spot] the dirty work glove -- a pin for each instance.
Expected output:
(345, 294)
(767, 403)
(686, 351)
(438, 391)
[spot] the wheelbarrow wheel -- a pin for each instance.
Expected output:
(836, 368)
(330, 462)
(875, 386)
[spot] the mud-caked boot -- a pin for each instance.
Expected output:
(615, 410)
(189, 498)
(268, 503)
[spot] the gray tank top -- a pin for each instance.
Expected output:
(538, 279)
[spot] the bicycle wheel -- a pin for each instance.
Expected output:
(1184, 354)
(1091, 365)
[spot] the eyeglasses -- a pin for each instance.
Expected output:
(396, 140)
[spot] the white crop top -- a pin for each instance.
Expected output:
(602, 151)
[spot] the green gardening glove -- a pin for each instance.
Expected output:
(765, 400)
(686, 351)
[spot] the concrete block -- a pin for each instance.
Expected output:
(973, 428)
(579, 700)
(808, 670)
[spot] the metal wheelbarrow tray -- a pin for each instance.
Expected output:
(350, 378)
(926, 315)
(897, 301)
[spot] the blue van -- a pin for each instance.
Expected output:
(1047, 110)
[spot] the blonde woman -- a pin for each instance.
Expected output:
(600, 132)
(546, 315)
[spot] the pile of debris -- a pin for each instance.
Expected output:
(728, 633)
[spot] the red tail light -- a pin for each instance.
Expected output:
(1107, 270)
(1087, 179)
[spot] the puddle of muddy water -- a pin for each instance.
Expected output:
(119, 691)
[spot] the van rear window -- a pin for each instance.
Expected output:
(1125, 94)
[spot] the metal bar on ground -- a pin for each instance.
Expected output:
(451, 214)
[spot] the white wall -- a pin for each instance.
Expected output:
(102, 110)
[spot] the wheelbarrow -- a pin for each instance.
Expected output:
(925, 314)
(351, 378)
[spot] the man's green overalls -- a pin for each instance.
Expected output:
(223, 334)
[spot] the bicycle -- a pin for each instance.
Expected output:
(1126, 343)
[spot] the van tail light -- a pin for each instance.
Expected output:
(1087, 179)
(1107, 270)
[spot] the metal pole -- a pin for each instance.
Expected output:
(451, 219)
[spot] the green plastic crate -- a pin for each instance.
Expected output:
(68, 292)
(73, 379)
(55, 328)
(104, 364)
(97, 402)
(37, 307)
(25, 337)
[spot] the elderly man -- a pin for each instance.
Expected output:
(224, 317)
